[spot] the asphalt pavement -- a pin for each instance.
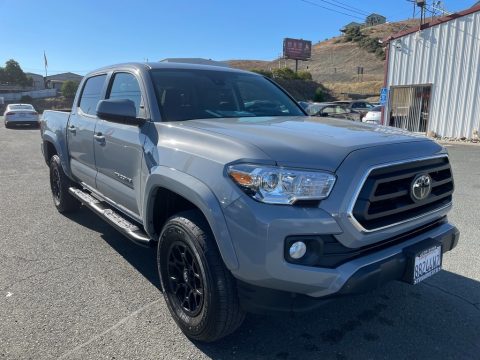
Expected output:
(71, 287)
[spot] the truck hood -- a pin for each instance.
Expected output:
(307, 142)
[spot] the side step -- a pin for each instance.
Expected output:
(131, 231)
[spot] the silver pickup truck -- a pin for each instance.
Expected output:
(252, 205)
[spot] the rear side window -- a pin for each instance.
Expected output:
(125, 86)
(91, 93)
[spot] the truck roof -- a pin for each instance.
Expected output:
(167, 65)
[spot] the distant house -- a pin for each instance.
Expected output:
(56, 81)
(38, 81)
(375, 19)
(351, 25)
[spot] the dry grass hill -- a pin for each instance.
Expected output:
(334, 62)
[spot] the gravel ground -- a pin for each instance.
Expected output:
(71, 287)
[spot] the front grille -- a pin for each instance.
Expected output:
(385, 197)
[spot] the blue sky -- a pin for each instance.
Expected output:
(82, 35)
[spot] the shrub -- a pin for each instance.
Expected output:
(69, 89)
(26, 99)
(319, 95)
(304, 75)
(263, 72)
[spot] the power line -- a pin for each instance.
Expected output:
(346, 7)
(326, 8)
(350, 6)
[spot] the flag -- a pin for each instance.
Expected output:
(45, 59)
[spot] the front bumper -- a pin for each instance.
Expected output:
(369, 274)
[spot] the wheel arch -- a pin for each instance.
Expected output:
(51, 146)
(164, 181)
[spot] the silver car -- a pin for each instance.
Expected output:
(20, 114)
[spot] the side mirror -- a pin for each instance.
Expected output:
(119, 110)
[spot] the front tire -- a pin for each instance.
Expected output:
(59, 184)
(200, 292)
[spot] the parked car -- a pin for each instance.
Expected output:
(360, 106)
(304, 104)
(20, 114)
(374, 116)
(332, 110)
(252, 205)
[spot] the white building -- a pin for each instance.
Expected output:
(433, 76)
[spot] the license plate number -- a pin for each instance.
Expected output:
(427, 263)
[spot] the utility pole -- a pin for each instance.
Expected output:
(422, 4)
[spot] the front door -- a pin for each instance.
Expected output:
(410, 107)
(119, 148)
(80, 129)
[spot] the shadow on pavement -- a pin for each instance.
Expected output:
(439, 318)
(142, 259)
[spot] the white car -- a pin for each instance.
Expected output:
(20, 114)
(374, 116)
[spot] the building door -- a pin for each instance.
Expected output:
(410, 107)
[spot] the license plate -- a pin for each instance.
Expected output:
(427, 263)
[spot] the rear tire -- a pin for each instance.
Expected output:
(59, 184)
(200, 292)
(7, 125)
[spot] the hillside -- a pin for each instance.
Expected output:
(334, 62)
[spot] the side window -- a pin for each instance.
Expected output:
(125, 86)
(328, 110)
(92, 90)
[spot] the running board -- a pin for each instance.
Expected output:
(131, 231)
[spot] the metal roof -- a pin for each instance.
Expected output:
(434, 22)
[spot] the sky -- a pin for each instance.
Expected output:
(82, 35)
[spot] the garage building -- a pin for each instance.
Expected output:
(433, 77)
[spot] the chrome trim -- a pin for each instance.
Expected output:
(359, 226)
(119, 207)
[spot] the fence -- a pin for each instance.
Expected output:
(35, 94)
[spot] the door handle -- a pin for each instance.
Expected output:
(72, 129)
(99, 137)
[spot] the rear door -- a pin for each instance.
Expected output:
(80, 129)
(119, 147)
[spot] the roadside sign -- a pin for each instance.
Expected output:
(383, 96)
(297, 49)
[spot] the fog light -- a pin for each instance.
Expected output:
(297, 250)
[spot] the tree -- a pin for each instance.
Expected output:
(69, 89)
(13, 74)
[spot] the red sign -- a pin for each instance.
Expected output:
(297, 49)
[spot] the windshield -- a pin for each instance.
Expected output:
(185, 94)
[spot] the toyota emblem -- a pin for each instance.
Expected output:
(421, 187)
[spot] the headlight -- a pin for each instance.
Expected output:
(276, 185)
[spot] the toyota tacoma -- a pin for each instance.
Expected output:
(252, 204)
